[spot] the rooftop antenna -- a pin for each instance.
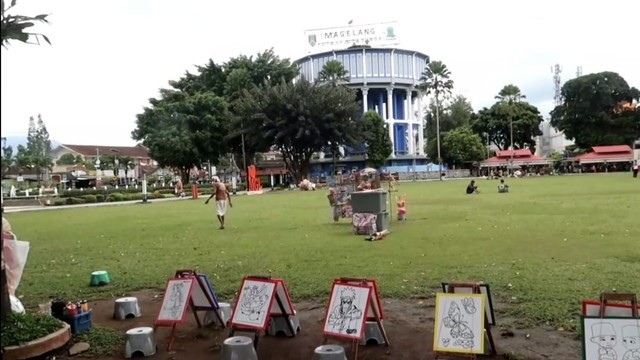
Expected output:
(556, 70)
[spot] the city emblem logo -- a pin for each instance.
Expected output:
(391, 32)
(312, 40)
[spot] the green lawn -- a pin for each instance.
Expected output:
(546, 246)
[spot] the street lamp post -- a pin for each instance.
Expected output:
(512, 150)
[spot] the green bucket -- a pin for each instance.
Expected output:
(99, 278)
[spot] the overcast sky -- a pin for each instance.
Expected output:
(109, 57)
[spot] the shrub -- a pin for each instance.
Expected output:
(76, 201)
(59, 202)
(89, 199)
(100, 198)
(22, 328)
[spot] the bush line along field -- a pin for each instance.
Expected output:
(543, 248)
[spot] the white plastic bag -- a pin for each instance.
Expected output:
(15, 253)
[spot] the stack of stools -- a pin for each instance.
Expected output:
(238, 348)
(373, 202)
(329, 352)
(140, 341)
(126, 308)
(278, 325)
(224, 311)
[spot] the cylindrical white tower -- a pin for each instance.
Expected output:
(387, 80)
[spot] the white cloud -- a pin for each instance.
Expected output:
(108, 58)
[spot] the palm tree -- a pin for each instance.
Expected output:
(510, 94)
(436, 80)
(334, 73)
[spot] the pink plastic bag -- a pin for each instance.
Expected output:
(15, 254)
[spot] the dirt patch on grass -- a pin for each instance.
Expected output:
(409, 324)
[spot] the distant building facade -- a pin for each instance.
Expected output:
(551, 140)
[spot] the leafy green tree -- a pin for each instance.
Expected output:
(436, 81)
(592, 112)
(379, 146)
(7, 156)
(509, 118)
(462, 145)
(37, 154)
(14, 27)
(455, 114)
(299, 119)
(333, 73)
(183, 130)
(67, 159)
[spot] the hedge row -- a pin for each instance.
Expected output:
(113, 197)
(202, 189)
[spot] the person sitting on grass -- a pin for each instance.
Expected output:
(503, 188)
(472, 188)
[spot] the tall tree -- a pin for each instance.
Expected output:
(436, 81)
(66, 159)
(14, 27)
(7, 156)
(511, 121)
(591, 113)
(334, 73)
(379, 146)
(183, 130)
(299, 119)
(461, 146)
(37, 154)
(457, 113)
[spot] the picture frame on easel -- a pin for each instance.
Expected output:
(345, 315)
(175, 303)
(459, 325)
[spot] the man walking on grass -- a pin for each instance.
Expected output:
(222, 197)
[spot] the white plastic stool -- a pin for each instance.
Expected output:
(372, 334)
(329, 352)
(278, 326)
(224, 311)
(126, 308)
(238, 348)
(140, 341)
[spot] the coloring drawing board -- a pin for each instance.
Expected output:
(610, 338)
(254, 303)
(282, 293)
(204, 296)
(484, 289)
(459, 323)
(592, 308)
(376, 295)
(345, 315)
(175, 301)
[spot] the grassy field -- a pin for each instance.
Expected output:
(545, 246)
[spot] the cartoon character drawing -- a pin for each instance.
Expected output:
(176, 300)
(455, 321)
(469, 306)
(344, 316)
(446, 342)
(631, 342)
(604, 335)
(253, 303)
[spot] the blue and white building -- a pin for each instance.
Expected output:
(387, 80)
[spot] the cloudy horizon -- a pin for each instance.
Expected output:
(108, 58)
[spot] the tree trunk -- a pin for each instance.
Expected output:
(5, 305)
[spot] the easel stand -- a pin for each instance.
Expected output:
(619, 297)
(475, 289)
(374, 312)
(279, 302)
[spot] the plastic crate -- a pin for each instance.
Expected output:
(79, 323)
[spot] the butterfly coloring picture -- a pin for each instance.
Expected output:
(459, 323)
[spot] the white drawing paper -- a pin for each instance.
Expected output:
(459, 323)
(176, 300)
(252, 309)
(611, 338)
(346, 312)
